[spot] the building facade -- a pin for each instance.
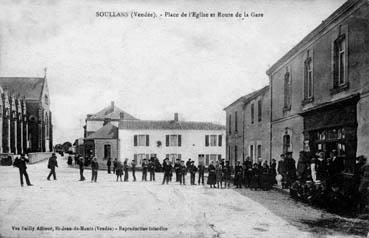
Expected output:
(320, 89)
(26, 120)
(248, 127)
(200, 141)
(112, 113)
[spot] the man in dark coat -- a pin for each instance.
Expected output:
(201, 169)
(151, 168)
(81, 164)
(182, 173)
(193, 170)
(51, 165)
(20, 163)
(115, 163)
(247, 172)
(94, 168)
(238, 175)
(166, 169)
(177, 167)
(227, 172)
(144, 170)
(291, 169)
(108, 163)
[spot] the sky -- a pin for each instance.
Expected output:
(150, 67)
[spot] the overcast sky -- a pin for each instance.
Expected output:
(151, 68)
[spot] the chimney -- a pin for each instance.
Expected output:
(112, 105)
(121, 116)
(176, 116)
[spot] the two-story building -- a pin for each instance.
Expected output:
(320, 88)
(173, 139)
(248, 127)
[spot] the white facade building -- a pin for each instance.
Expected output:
(171, 139)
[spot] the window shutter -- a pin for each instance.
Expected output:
(179, 140)
(220, 140)
(135, 140)
(220, 157)
(167, 156)
(179, 156)
(167, 140)
(135, 157)
(147, 140)
(206, 140)
(147, 156)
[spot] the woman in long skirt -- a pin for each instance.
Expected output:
(211, 175)
(125, 167)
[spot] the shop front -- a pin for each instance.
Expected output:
(333, 127)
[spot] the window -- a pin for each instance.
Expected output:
(213, 140)
(252, 113)
(287, 91)
(259, 110)
(141, 140)
(107, 151)
(229, 124)
(235, 153)
(173, 140)
(213, 158)
(339, 61)
(235, 122)
(259, 151)
(308, 77)
(286, 143)
(251, 152)
(207, 160)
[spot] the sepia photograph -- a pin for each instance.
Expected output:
(230, 119)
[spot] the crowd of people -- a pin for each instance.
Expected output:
(316, 179)
(319, 180)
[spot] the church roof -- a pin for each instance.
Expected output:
(30, 88)
(111, 112)
(169, 125)
(109, 131)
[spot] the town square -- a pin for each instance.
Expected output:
(187, 119)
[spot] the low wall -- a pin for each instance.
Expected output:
(38, 156)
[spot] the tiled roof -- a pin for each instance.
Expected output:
(111, 112)
(169, 125)
(30, 88)
(248, 97)
(109, 131)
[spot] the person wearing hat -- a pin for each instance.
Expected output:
(177, 167)
(125, 168)
(144, 169)
(119, 169)
(201, 169)
(211, 175)
(20, 163)
(166, 169)
(193, 171)
(94, 169)
(151, 168)
(182, 173)
(51, 165)
(238, 175)
(108, 164)
(227, 172)
(81, 164)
